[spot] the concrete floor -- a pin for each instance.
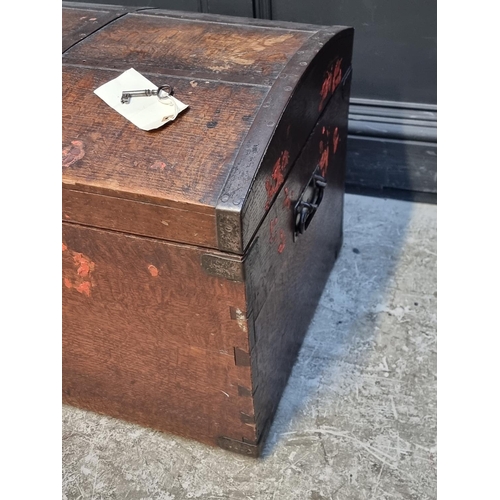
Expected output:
(358, 417)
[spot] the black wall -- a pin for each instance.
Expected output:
(395, 44)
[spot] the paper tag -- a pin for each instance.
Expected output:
(147, 113)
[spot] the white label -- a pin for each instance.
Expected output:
(145, 112)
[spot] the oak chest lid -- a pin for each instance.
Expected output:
(255, 90)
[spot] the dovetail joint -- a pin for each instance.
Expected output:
(240, 447)
(241, 357)
(244, 392)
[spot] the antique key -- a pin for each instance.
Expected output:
(163, 93)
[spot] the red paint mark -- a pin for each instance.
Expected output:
(153, 270)
(80, 276)
(84, 265)
(158, 165)
(325, 90)
(324, 151)
(73, 153)
(274, 232)
(287, 202)
(84, 287)
(281, 246)
(336, 139)
(277, 178)
(337, 74)
(272, 229)
(330, 83)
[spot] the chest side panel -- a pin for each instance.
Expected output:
(326, 74)
(282, 127)
(286, 272)
(151, 335)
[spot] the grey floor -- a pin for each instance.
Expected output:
(358, 417)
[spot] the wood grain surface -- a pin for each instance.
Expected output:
(185, 162)
(141, 342)
(145, 219)
(77, 23)
(190, 48)
(152, 285)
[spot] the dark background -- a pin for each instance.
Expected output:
(393, 118)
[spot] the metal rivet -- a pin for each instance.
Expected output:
(271, 124)
(302, 63)
(288, 88)
(236, 202)
(224, 198)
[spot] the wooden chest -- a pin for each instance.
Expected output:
(194, 255)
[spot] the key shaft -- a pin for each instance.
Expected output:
(161, 92)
